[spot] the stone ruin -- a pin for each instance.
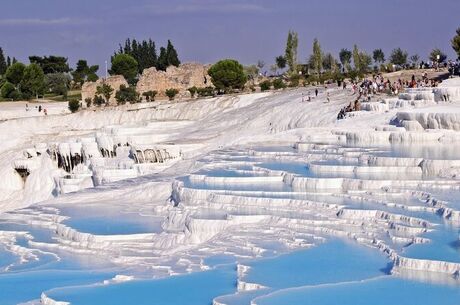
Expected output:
(180, 78)
(88, 89)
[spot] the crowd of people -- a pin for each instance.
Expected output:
(377, 85)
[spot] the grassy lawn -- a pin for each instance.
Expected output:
(73, 94)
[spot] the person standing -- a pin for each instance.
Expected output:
(316, 92)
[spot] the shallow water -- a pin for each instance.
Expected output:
(319, 265)
(193, 289)
(381, 291)
(336, 270)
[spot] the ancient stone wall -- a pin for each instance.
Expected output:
(180, 78)
(88, 89)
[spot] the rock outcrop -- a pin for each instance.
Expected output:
(88, 89)
(180, 78)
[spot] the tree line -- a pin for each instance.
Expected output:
(52, 75)
(351, 63)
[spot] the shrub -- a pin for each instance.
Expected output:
(278, 84)
(74, 105)
(98, 100)
(206, 91)
(105, 90)
(193, 90)
(88, 102)
(265, 85)
(227, 75)
(150, 95)
(7, 89)
(171, 93)
(126, 94)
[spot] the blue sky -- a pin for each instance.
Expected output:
(208, 30)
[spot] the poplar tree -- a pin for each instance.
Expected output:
(317, 57)
(292, 44)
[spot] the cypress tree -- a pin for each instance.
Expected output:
(162, 63)
(172, 58)
(3, 65)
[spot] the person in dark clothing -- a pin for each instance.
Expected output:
(316, 92)
(40, 108)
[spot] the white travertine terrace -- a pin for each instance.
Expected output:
(237, 175)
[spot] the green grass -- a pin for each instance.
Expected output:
(75, 94)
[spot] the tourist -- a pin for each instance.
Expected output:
(40, 108)
(316, 92)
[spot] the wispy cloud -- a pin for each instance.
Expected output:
(41, 21)
(204, 6)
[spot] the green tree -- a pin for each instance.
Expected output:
(172, 58)
(126, 65)
(356, 58)
(398, 57)
(361, 61)
(51, 64)
(171, 93)
(434, 56)
(281, 62)
(378, 56)
(456, 42)
(7, 90)
(227, 74)
(365, 62)
(291, 51)
(83, 72)
(345, 58)
(317, 57)
(144, 52)
(330, 63)
(106, 91)
(58, 83)
(126, 94)
(3, 65)
(162, 60)
(14, 73)
(33, 81)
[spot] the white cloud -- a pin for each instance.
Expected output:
(205, 6)
(40, 21)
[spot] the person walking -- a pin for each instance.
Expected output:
(316, 92)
